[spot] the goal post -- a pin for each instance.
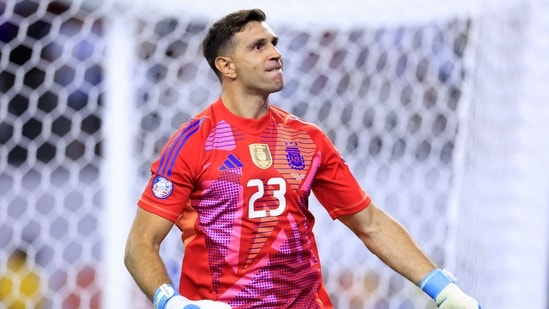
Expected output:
(438, 107)
(119, 150)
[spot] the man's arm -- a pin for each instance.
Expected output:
(142, 256)
(147, 268)
(390, 241)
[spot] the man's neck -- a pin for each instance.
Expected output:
(245, 105)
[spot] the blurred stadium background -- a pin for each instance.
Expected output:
(440, 108)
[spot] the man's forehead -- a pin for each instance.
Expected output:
(256, 28)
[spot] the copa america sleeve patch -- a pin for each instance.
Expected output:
(161, 187)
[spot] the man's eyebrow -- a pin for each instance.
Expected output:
(257, 41)
(264, 40)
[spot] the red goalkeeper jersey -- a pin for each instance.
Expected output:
(238, 189)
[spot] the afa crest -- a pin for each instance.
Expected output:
(294, 157)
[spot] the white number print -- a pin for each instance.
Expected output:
(278, 193)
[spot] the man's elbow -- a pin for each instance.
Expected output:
(364, 223)
(129, 255)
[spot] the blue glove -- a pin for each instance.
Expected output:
(447, 295)
(166, 297)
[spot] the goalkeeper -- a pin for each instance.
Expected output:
(236, 178)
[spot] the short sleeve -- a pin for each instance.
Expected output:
(172, 174)
(335, 186)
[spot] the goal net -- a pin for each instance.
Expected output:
(439, 109)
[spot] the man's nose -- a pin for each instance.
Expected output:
(275, 53)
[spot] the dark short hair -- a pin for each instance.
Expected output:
(221, 34)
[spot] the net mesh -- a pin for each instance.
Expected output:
(396, 97)
(50, 121)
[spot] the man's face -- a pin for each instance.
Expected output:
(258, 63)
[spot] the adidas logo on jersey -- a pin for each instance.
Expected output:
(230, 163)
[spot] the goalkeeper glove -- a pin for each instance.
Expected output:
(166, 297)
(447, 295)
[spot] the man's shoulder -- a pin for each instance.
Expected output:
(196, 127)
(292, 120)
(202, 119)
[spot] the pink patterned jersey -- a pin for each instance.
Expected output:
(238, 189)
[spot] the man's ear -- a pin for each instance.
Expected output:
(225, 66)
